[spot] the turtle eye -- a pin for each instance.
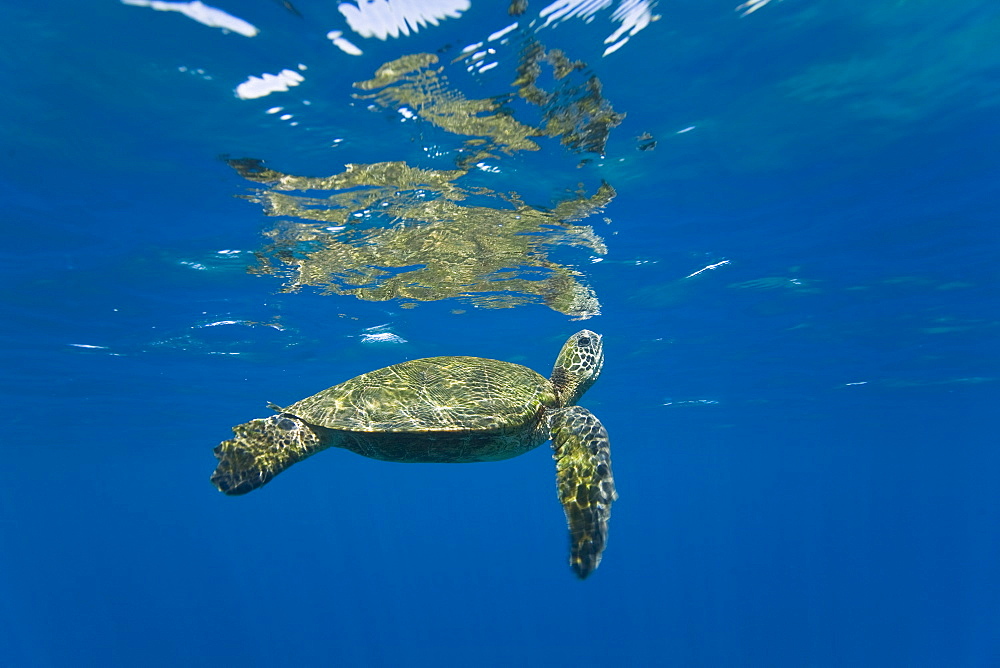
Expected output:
(286, 424)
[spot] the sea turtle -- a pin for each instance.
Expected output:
(450, 409)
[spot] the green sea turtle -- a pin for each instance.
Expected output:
(450, 409)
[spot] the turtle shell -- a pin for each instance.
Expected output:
(434, 394)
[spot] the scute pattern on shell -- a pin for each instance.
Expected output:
(450, 394)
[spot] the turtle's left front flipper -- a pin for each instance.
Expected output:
(586, 486)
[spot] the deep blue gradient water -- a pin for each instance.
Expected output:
(804, 437)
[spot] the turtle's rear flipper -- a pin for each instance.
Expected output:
(586, 486)
(261, 450)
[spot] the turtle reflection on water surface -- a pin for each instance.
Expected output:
(450, 409)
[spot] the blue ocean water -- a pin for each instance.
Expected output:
(798, 303)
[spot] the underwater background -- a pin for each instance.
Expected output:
(782, 218)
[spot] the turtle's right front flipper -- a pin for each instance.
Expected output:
(261, 450)
(586, 486)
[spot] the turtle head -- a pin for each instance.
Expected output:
(578, 366)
